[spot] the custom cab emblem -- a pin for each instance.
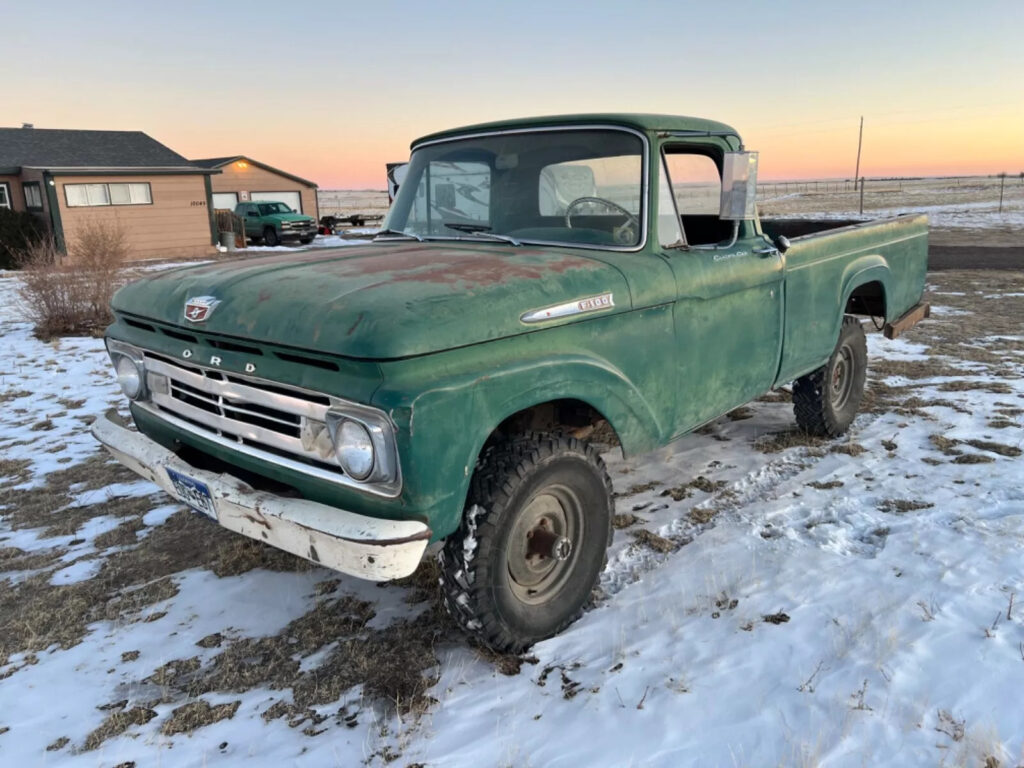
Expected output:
(577, 307)
(198, 308)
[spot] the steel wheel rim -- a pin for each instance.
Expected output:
(841, 384)
(553, 514)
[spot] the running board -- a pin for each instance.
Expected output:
(918, 313)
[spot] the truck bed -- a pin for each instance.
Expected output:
(793, 228)
(865, 268)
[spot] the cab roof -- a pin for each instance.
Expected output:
(638, 121)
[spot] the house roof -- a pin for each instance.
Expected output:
(50, 148)
(219, 162)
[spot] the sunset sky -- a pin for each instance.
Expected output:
(333, 91)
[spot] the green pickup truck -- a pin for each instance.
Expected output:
(273, 223)
(535, 280)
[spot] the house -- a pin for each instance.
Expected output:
(160, 199)
(243, 179)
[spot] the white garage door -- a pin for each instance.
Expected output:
(225, 200)
(292, 199)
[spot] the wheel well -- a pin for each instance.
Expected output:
(867, 299)
(573, 417)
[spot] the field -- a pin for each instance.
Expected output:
(963, 211)
(769, 599)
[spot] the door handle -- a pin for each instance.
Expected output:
(766, 252)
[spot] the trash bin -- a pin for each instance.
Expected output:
(227, 239)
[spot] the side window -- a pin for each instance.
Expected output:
(696, 183)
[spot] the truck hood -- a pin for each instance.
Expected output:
(287, 217)
(381, 301)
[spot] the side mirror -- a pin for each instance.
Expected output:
(739, 186)
(782, 243)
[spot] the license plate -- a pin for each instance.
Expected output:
(192, 492)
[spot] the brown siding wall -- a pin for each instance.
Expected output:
(14, 187)
(176, 225)
(255, 179)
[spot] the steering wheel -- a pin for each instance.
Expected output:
(624, 234)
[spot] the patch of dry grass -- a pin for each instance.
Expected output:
(197, 714)
(636, 489)
(932, 368)
(993, 447)
(902, 506)
(651, 540)
(702, 516)
(961, 385)
(124, 535)
(973, 458)
(825, 486)
(16, 559)
(625, 520)
(788, 438)
(117, 723)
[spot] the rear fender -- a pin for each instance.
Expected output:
(871, 268)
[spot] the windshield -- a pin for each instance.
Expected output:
(578, 187)
(268, 208)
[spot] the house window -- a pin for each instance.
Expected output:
(33, 195)
(82, 195)
(5, 195)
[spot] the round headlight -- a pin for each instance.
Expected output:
(354, 449)
(129, 377)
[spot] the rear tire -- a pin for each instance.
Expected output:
(826, 401)
(270, 237)
(305, 240)
(533, 541)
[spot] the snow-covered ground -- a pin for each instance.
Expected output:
(955, 215)
(768, 600)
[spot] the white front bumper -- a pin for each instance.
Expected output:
(362, 546)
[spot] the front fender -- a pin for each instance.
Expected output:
(446, 406)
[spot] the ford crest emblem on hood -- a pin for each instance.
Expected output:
(198, 308)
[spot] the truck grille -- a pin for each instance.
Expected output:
(281, 420)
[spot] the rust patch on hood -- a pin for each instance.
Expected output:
(470, 268)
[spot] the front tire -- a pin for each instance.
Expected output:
(270, 237)
(532, 544)
(826, 401)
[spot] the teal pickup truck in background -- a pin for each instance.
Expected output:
(535, 280)
(273, 223)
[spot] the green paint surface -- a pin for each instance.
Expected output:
(431, 333)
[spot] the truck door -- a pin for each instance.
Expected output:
(729, 300)
(251, 217)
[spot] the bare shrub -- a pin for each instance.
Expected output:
(72, 296)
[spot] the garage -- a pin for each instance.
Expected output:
(225, 201)
(241, 179)
(292, 199)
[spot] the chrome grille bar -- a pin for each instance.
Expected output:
(232, 388)
(238, 408)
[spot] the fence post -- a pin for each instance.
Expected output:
(861, 195)
(1002, 183)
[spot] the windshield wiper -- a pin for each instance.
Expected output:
(480, 229)
(398, 232)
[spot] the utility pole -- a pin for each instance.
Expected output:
(860, 140)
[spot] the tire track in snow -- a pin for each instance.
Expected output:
(732, 502)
